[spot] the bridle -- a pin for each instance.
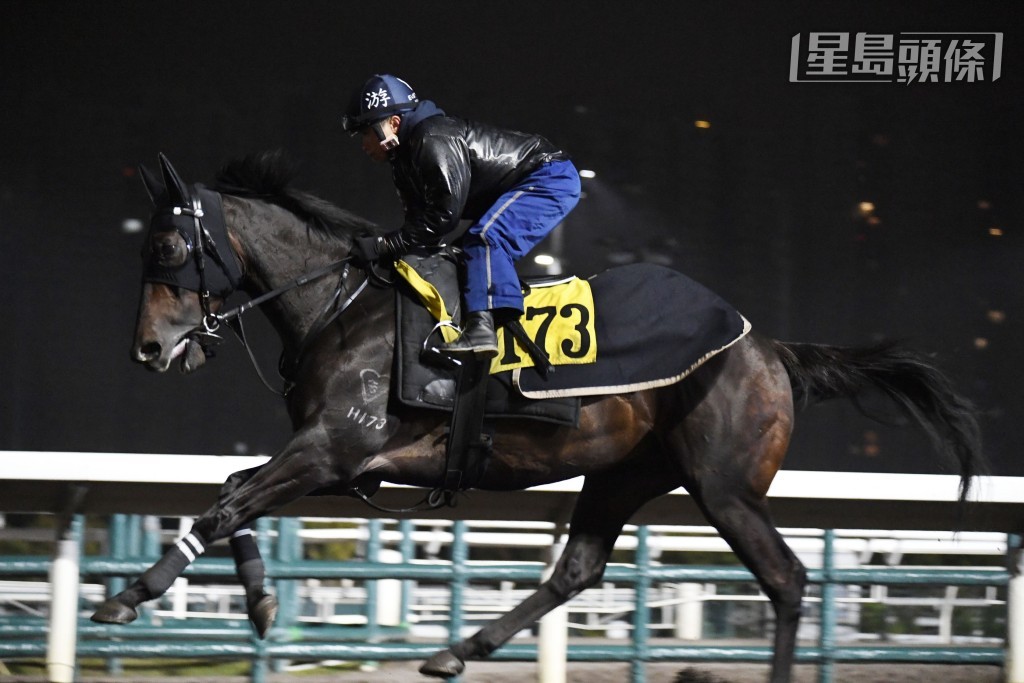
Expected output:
(200, 240)
(330, 312)
(200, 244)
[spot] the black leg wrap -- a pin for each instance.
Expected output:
(251, 573)
(248, 563)
(243, 546)
(262, 608)
(158, 578)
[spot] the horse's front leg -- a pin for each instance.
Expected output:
(259, 605)
(303, 466)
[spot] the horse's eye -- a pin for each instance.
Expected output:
(169, 250)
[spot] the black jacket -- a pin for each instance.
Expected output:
(447, 169)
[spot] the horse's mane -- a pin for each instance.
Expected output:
(268, 175)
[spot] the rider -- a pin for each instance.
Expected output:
(515, 187)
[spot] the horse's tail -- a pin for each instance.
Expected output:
(820, 372)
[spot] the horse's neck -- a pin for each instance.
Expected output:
(277, 248)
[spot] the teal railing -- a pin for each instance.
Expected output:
(22, 637)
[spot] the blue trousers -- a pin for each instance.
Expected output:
(520, 219)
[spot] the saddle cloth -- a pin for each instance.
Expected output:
(653, 327)
(428, 290)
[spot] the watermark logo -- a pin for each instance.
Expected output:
(918, 57)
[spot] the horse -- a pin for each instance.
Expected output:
(721, 433)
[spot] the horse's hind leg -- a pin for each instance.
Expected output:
(746, 526)
(605, 504)
(730, 483)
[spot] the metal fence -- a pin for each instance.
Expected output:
(371, 640)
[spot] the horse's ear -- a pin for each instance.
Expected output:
(154, 186)
(177, 192)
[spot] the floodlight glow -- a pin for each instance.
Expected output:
(131, 225)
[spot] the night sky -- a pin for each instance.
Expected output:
(763, 206)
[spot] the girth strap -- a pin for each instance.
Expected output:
(468, 447)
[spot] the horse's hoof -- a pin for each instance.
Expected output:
(114, 612)
(443, 665)
(262, 614)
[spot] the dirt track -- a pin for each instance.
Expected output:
(583, 672)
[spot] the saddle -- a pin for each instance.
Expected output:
(428, 291)
(627, 329)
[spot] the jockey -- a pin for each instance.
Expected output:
(515, 187)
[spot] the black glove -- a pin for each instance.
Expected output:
(373, 248)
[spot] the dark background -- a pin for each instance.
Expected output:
(761, 206)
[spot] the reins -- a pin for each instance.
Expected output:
(437, 497)
(204, 243)
(233, 319)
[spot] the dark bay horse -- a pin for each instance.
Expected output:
(721, 433)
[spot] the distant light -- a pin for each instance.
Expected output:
(995, 232)
(131, 226)
(587, 173)
(866, 208)
(621, 257)
(657, 258)
(980, 343)
(984, 204)
(874, 220)
(871, 449)
(702, 123)
(544, 260)
(996, 317)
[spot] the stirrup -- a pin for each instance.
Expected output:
(460, 348)
(478, 339)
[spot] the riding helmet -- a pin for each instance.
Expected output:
(381, 96)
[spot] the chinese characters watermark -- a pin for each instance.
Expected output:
(917, 57)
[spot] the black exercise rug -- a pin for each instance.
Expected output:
(654, 326)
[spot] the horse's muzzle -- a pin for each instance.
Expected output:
(158, 357)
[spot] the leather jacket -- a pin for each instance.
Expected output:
(447, 169)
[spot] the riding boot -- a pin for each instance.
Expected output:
(478, 338)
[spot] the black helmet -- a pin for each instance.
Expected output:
(383, 95)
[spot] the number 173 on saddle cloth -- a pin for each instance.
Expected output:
(559, 318)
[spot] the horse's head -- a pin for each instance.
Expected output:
(188, 271)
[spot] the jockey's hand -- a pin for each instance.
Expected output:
(373, 248)
(366, 249)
